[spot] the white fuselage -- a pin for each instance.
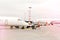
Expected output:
(12, 21)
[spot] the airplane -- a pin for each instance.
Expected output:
(48, 21)
(13, 22)
(56, 22)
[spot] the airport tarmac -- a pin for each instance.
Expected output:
(42, 33)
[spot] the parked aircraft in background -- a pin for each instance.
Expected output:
(45, 22)
(55, 22)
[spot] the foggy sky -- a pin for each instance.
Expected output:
(40, 8)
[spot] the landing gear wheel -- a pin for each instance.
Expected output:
(33, 27)
(11, 27)
(28, 27)
(22, 27)
(17, 27)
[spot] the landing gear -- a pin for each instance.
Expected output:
(33, 27)
(22, 27)
(17, 27)
(11, 27)
(28, 27)
(14, 26)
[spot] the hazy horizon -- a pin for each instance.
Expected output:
(49, 9)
